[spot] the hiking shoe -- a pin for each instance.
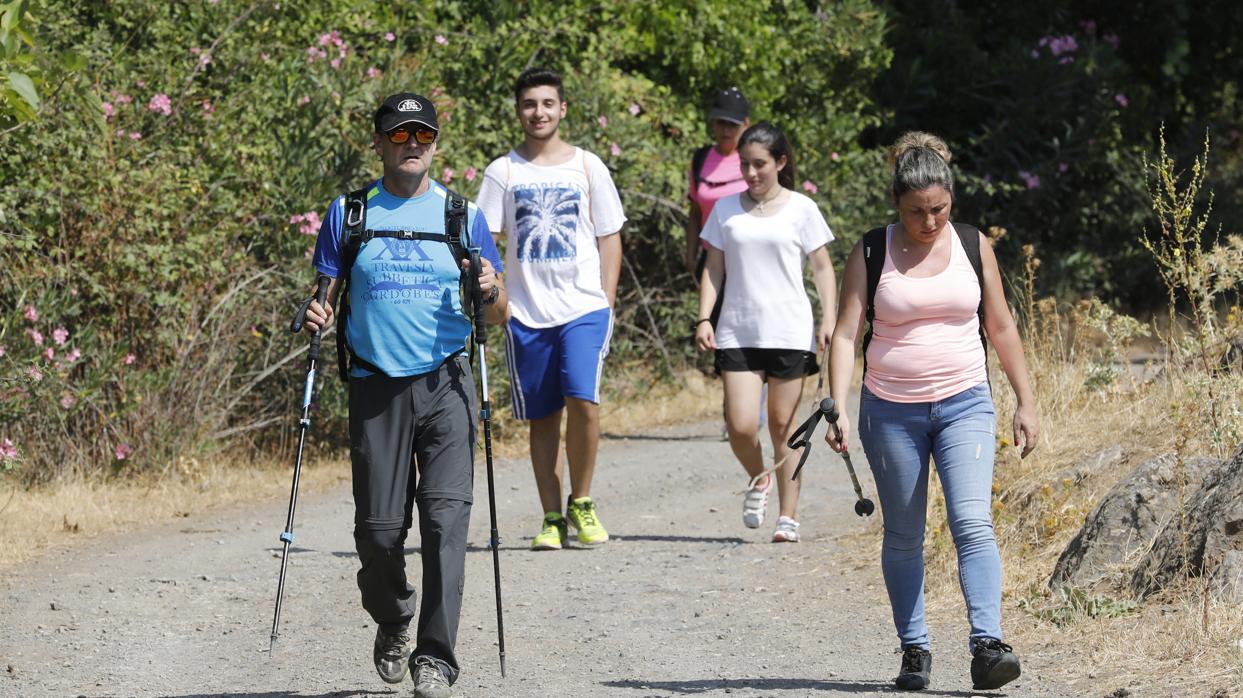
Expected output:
(787, 530)
(553, 535)
(916, 668)
(392, 655)
(755, 503)
(582, 515)
(429, 682)
(994, 664)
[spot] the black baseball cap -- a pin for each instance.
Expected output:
(729, 105)
(404, 108)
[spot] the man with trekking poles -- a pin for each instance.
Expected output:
(400, 250)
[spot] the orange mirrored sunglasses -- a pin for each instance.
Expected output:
(401, 134)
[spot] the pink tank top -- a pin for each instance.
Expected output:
(926, 336)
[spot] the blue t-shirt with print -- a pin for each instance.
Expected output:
(405, 299)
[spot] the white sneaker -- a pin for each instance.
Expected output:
(755, 503)
(787, 530)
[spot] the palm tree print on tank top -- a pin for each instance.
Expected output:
(546, 219)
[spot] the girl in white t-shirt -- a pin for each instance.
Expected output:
(766, 332)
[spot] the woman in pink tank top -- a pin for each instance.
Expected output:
(926, 395)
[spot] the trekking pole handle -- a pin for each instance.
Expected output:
(477, 295)
(321, 296)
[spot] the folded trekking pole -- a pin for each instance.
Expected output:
(828, 409)
(304, 425)
(485, 415)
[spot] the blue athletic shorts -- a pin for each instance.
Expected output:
(548, 364)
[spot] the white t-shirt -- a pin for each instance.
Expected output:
(552, 215)
(766, 305)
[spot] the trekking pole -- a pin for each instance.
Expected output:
(304, 425)
(864, 506)
(485, 415)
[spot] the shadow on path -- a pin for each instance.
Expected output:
(610, 436)
(724, 540)
(705, 685)
(358, 693)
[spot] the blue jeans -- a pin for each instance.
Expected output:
(958, 432)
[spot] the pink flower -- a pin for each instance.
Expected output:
(834, 156)
(1066, 60)
(470, 174)
(123, 450)
(446, 175)
(1121, 100)
(49, 354)
(35, 374)
(634, 108)
(810, 186)
(60, 335)
(264, 56)
(141, 84)
(1088, 26)
(373, 72)
(603, 121)
(161, 104)
(35, 336)
(314, 52)
(108, 110)
(615, 150)
(1032, 181)
(73, 355)
(1035, 53)
(129, 359)
(208, 107)
(3, 351)
(304, 100)
(332, 37)
(135, 136)
(1063, 167)
(31, 313)
(67, 400)
(390, 37)
(440, 39)
(309, 222)
(123, 99)
(7, 450)
(335, 63)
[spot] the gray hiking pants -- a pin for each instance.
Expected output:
(424, 421)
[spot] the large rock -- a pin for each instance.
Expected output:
(1124, 524)
(1207, 540)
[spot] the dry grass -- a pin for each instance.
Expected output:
(69, 510)
(1178, 643)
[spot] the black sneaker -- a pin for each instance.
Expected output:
(916, 667)
(994, 665)
(392, 655)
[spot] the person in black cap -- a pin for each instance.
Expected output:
(411, 393)
(715, 169)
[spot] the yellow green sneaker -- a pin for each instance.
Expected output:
(553, 535)
(582, 515)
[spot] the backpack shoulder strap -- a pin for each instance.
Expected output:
(455, 223)
(874, 262)
(969, 236)
(697, 162)
(353, 225)
(873, 243)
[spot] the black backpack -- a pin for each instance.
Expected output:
(874, 261)
(697, 162)
(354, 234)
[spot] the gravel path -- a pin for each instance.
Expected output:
(684, 600)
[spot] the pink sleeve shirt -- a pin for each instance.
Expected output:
(926, 336)
(721, 176)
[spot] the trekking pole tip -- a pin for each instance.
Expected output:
(864, 507)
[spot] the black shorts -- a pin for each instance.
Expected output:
(773, 363)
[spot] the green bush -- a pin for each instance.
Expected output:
(161, 202)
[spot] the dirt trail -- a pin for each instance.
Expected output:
(684, 600)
